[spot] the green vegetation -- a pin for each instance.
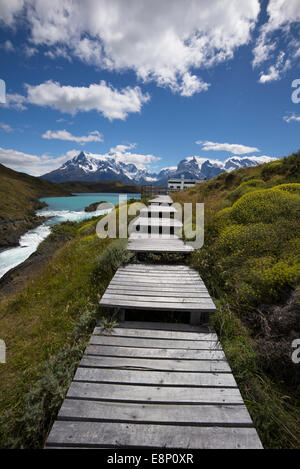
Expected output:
(46, 328)
(251, 264)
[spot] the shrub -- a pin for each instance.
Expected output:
(245, 187)
(266, 206)
(293, 188)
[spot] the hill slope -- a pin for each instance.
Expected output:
(19, 194)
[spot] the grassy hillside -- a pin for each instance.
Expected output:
(19, 195)
(250, 262)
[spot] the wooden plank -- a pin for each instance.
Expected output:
(163, 326)
(151, 278)
(182, 249)
(159, 274)
(162, 378)
(163, 394)
(183, 365)
(162, 267)
(155, 334)
(177, 354)
(164, 284)
(152, 288)
(157, 299)
(159, 266)
(155, 343)
(163, 306)
(110, 435)
(199, 415)
(152, 293)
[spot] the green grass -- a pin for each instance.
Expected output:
(46, 328)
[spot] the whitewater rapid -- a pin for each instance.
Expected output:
(30, 241)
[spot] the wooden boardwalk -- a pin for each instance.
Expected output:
(159, 288)
(158, 230)
(153, 385)
(151, 244)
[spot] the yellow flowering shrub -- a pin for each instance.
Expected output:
(266, 206)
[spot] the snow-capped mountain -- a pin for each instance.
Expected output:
(85, 167)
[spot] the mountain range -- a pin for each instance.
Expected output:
(85, 167)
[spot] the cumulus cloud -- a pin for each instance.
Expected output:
(161, 41)
(32, 164)
(93, 136)
(9, 10)
(234, 148)
(291, 118)
(283, 16)
(112, 103)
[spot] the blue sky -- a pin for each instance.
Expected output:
(145, 81)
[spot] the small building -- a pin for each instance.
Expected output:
(180, 184)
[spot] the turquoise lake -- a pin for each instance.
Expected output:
(59, 209)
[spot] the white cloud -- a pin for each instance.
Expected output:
(291, 118)
(230, 147)
(6, 127)
(101, 97)
(32, 164)
(275, 71)
(15, 101)
(30, 51)
(93, 136)
(282, 18)
(164, 41)
(9, 9)
(123, 154)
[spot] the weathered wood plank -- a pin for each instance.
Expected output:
(164, 326)
(163, 394)
(157, 288)
(155, 343)
(163, 306)
(199, 415)
(154, 353)
(98, 434)
(155, 334)
(158, 266)
(158, 299)
(160, 273)
(165, 284)
(188, 366)
(223, 380)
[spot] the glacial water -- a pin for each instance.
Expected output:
(59, 209)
